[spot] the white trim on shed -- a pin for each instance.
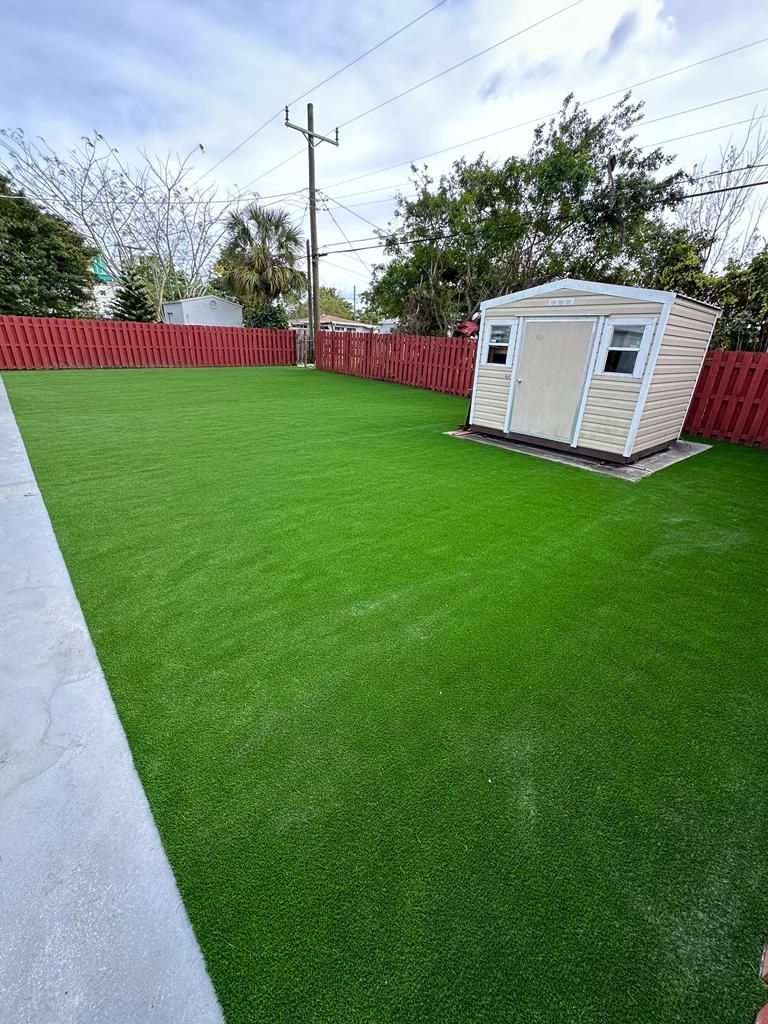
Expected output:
(620, 291)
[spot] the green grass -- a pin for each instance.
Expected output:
(433, 732)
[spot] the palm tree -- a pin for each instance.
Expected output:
(259, 262)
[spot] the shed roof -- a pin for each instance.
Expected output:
(595, 287)
(201, 298)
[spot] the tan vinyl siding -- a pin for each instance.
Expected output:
(491, 397)
(608, 413)
(685, 341)
(585, 304)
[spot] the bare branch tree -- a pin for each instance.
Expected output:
(149, 212)
(733, 223)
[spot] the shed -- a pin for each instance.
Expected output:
(210, 310)
(603, 370)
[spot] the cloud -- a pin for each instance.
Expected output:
(167, 74)
(494, 85)
(507, 80)
(622, 33)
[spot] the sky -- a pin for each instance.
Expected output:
(170, 74)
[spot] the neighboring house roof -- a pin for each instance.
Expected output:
(324, 319)
(619, 290)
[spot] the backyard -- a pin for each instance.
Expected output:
(432, 731)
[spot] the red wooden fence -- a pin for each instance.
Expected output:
(439, 364)
(730, 401)
(50, 343)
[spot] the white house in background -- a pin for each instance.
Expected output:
(387, 326)
(209, 310)
(334, 323)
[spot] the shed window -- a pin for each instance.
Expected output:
(625, 346)
(498, 344)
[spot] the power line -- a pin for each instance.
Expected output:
(304, 215)
(282, 197)
(255, 197)
(400, 184)
(285, 196)
(537, 120)
(653, 145)
(469, 234)
(687, 67)
(349, 210)
(240, 145)
(414, 241)
(727, 188)
(419, 85)
(358, 257)
(365, 238)
(702, 106)
(335, 74)
(265, 174)
(461, 63)
(367, 191)
(726, 171)
(375, 202)
(348, 270)
(705, 131)
(524, 124)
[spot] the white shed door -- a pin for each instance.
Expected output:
(550, 377)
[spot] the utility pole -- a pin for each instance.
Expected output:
(313, 139)
(310, 312)
(354, 300)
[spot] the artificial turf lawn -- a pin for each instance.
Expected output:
(432, 731)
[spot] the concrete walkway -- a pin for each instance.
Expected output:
(92, 927)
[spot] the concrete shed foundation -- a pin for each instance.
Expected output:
(635, 471)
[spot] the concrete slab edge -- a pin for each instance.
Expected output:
(633, 472)
(94, 929)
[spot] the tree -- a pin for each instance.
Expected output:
(332, 303)
(45, 266)
(742, 293)
(672, 259)
(730, 222)
(132, 300)
(154, 209)
(578, 204)
(271, 316)
(259, 263)
(165, 280)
